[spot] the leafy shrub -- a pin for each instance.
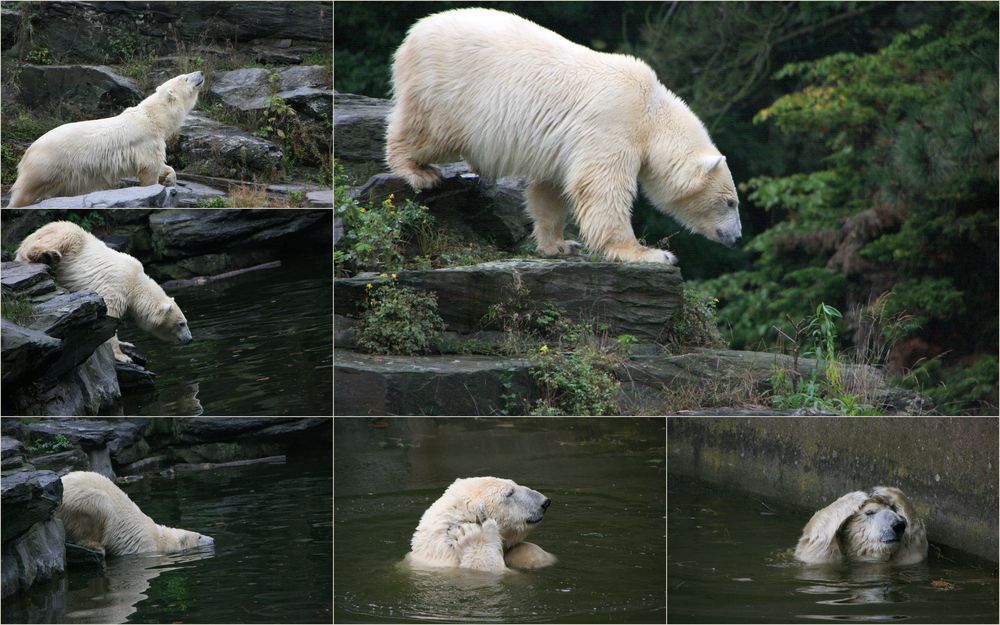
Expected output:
(374, 237)
(398, 320)
(574, 384)
(693, 323)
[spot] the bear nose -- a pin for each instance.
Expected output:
(545, 504)
(898, 527)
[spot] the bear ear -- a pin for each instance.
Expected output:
(164, 307)
(170, 95)
(708, 163)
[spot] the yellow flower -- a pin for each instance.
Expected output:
(383, 275)
(361, 210)
(369, 286)
(393, 276)
(392, 196)
(544, 349)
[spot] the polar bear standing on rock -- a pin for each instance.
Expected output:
(98, 515)
(480, 523)
(878, 526)
(83, 262)
(81, 157)
(585, 127)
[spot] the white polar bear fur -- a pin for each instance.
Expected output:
(513, 98)
(97, 514)
(83, 262)
(480, 523)
(857, 527)
(81, 157)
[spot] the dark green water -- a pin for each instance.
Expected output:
(730, 561)
(606, 523)
(272, 561)
(262, 346)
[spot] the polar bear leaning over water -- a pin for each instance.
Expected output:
(878, 526)
(480, 523)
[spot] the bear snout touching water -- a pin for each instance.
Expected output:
(83, 262)
(480, 523)
(878, 526)
(97, 514)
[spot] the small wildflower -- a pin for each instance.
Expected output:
(392, 196)
(393, 276)
(383, 275)
(361, 209)
(369, 286)
(544, 349)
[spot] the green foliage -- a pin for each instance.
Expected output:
(89, 221)
(751, 303)
(9, 158)
(816, 336)
(694, 323)
(17, 310)
(398, 320)
(924, 300)
(958, 389)
(905, 200)
(374, 237)
(58, 443)
(41, 56)
(573, 383)
(215, 202)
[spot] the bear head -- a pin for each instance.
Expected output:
(685, 176)
(172, 539)
(173, 100)
(160, 315)
(516, 509)
(882, 525)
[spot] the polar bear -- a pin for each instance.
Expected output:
(97, 514)
(83, 262)
(81, 157)
(480, 523)
(878, 526)
(585, 127)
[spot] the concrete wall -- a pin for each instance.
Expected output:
(946, 465)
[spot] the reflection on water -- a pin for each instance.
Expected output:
(263, 346)
(272, 559)
(112, 597)
(605, 524)
(730, 561)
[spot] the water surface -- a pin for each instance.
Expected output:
(271, 562)
(606, 522)
(730, 561)
(262, 346)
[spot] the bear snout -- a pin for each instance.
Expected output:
(545, 504)
(899, 526)
(729, 240)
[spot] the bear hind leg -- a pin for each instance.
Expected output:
(548, 211)
(403, 153)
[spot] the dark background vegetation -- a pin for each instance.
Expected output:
(863, 137)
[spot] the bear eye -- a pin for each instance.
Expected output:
(893, 508)
(510, 492)
(730, 203)
(869, 512)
